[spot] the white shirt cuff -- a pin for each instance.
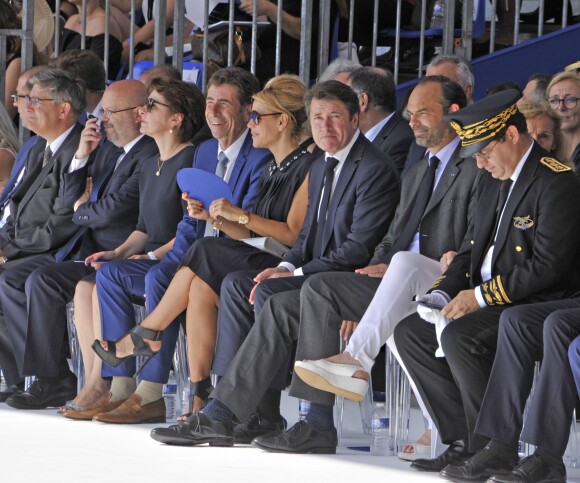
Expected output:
(76, 164)
(479, 297)
(287, 266)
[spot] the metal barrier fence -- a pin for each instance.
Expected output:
(452, 41)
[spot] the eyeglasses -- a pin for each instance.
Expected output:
(109, 112)
(569, 102)
(35, 101)
(15, 97)
(256, 116)
(483, 155)
(151, 102)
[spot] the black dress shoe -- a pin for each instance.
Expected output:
(300, 438)
(534, 469)
(481, 466)
(16, 389)
(198, 429)
(45, 393)
(454, 454)
(256, 427)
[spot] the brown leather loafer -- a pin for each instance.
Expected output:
(131, 412)
(103, 405)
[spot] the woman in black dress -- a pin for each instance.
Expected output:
(275, 122)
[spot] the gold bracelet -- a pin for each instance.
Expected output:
(217, 224)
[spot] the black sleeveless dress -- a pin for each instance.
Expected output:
(212, 258)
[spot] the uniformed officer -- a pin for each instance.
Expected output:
(525, 235)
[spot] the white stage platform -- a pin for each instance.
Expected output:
(43, 446)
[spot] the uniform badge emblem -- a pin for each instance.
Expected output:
(523, 222)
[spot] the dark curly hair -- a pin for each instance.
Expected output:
(182, 98)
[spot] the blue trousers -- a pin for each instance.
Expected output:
(574, 356)
(118, 283)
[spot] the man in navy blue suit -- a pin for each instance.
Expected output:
(35, 293)
(228, 102)
(353, 191)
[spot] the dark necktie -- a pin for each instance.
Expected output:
(222, 165)
(47, 156)
(421, 202)
(323, 208)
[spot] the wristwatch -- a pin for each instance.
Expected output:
(244, 219)
(152, 255)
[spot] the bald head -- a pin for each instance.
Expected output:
(120, 116)
(134, 91)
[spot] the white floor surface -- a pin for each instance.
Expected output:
(42, 446)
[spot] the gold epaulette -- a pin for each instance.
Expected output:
(554, 165)
(494, 293)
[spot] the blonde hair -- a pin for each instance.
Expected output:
(285, 94)
(562, 76)
(531, 110)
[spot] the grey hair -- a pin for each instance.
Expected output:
(8, 136)
(338, 66)
(465, 75)
(62, 87)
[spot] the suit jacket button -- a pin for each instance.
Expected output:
(518, 248)
(473, 242)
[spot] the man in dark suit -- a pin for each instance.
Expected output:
(527, 334)
(17, 173)
(228, 102)
(431, 220)
(512, 258)
(34, 294)
(378, 120)
(39, 221)
(353, 192)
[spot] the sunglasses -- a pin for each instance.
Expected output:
(151, 102)
(256, 116)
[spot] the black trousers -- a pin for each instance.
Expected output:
(262, 359)
(452, 387)
(529, 333)
(33, 297)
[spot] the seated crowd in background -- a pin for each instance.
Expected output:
(470, 206)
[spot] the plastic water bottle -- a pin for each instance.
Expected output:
(186, 398)
(438, 15)
(380, 431)
(303, 408)
(170, 396)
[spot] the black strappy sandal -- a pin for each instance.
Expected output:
(202, 389)
(138, 335)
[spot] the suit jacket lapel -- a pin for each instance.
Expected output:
(387, 129)
(346, 173)
(48, 168)
(317, 182)
(240, 161)
(485, 220)
(448, 177)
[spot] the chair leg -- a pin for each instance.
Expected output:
(75, 350)
(572, 454)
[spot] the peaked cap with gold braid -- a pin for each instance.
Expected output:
(479, 123)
